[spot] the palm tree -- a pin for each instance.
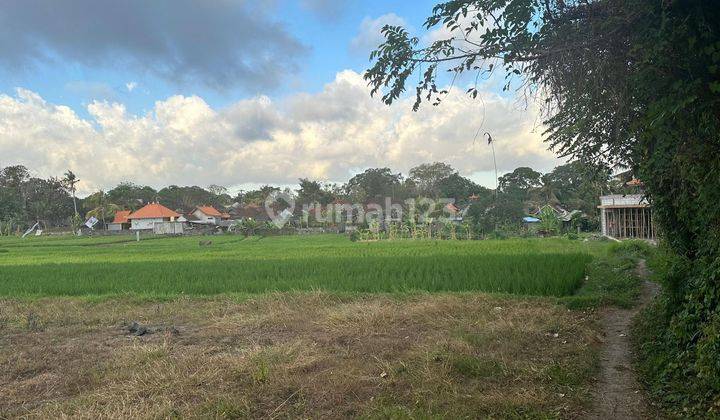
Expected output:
(101, 207)
(70, 180)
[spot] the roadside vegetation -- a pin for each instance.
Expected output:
(612, 279)
(664, 367)
(630, 84)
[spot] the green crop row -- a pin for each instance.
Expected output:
(171, 266)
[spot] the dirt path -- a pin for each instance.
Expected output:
(618, 394)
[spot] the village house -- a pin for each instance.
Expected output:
(208, 215)
(154, 213)
(454, 213)
(564, 216)
(120, 222)
(250, 211)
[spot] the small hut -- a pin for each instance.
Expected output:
(626, 216)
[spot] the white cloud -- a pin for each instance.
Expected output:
(131, 86)
(369, 36)
(442, 32)
(328, 136)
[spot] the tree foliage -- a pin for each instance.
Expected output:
(314, 192)
(25, 200)
(427, 177)
(130, 196)
(373, 183)
(460, 189)
(631, 82)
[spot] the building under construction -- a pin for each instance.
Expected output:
(626, 216)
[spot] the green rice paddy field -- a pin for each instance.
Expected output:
(69, 266)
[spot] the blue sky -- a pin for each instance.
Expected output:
(328, 39)
(231, 92)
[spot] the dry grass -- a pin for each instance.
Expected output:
(297, 355)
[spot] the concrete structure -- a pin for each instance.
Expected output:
(626, 216)
(208, 215)
(148, 216)
(120, 222)
(168, 228)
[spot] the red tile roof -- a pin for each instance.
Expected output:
(153, 211)
(209, 210)
(452, 208)
(121, 216)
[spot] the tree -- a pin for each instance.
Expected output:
(522, 178)
(100, 206)
(47, 200)
(577, 185)
(427, 177)
(622, 82)
(14, 176)
(313, 192)
(11, 208)
(131, 196)
(374, 183)
(217, 189)
(221, 194)
(460, 188)
(520, 183)
(70, 180)
(12, 195)
(187, 198)
(259, 196)
(492, 212)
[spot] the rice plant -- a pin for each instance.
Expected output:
(172, 266)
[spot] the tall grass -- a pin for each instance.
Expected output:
(170, 266)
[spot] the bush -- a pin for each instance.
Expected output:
(679, 350)
(633, 248)
(612, 278)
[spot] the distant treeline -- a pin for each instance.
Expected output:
(25, 200)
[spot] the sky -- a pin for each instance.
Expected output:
(232, 92)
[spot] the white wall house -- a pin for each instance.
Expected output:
(145, 224)
(120, 222)
(147, 217)
(207, 215)
(204, 218)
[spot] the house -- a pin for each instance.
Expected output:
(120, 222)
(565, 217)
(625, 216)
(250, 211)
(154, 213)
(208, 215)
(453, 212)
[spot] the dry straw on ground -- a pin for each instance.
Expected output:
(296, 355)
